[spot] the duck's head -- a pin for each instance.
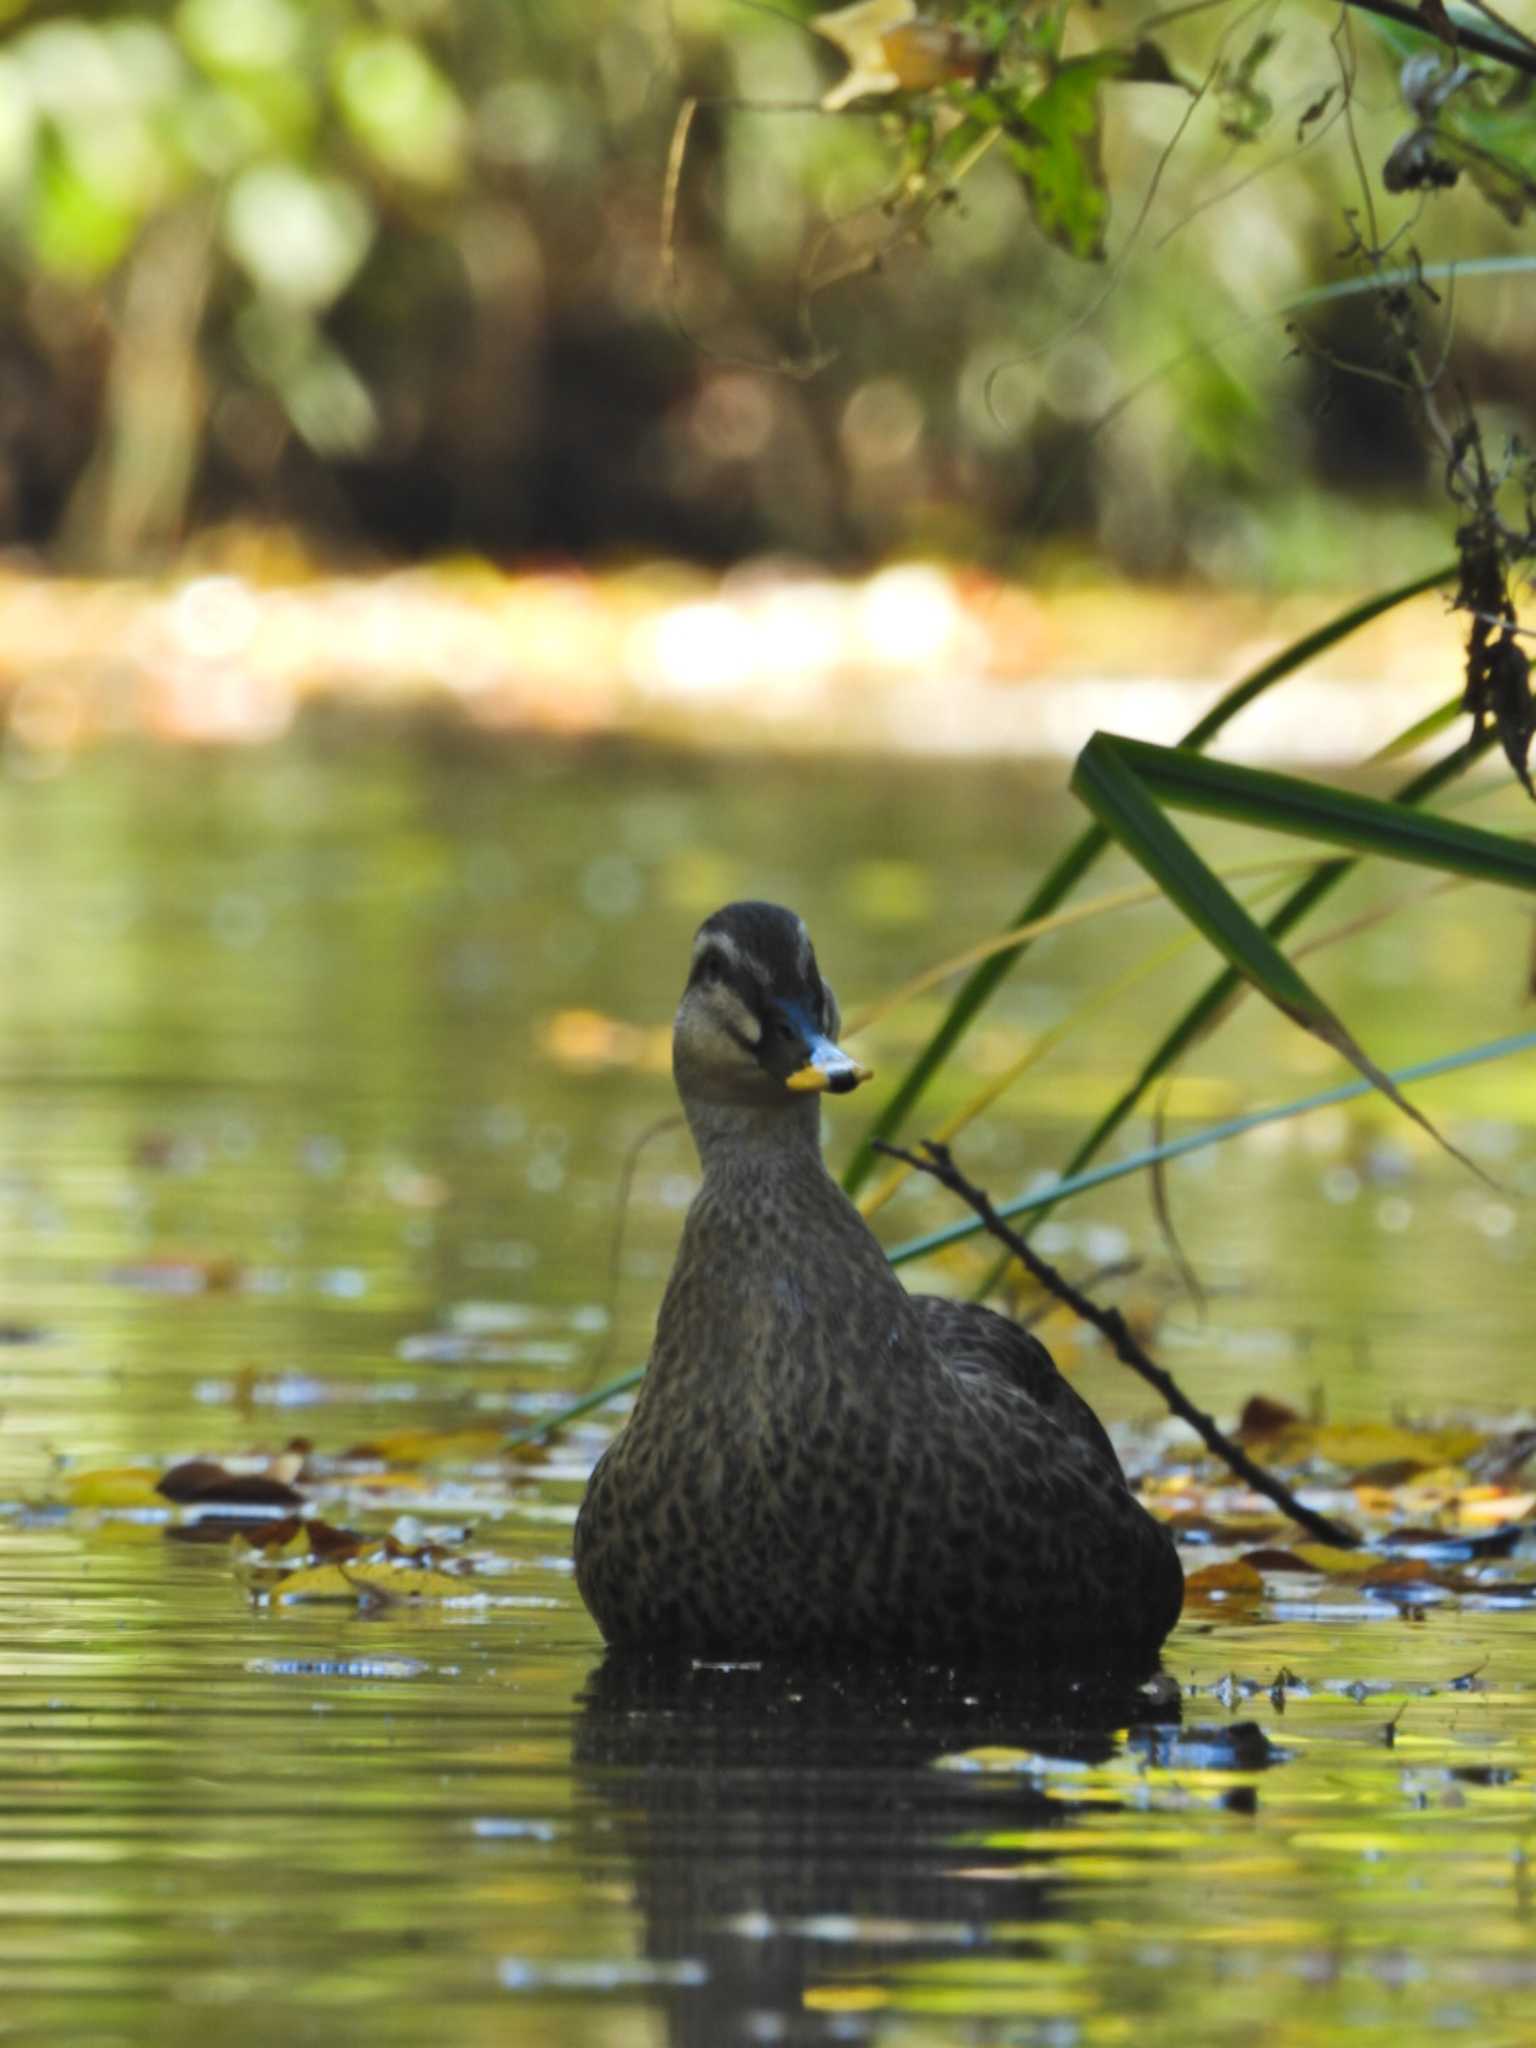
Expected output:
(757, 1024)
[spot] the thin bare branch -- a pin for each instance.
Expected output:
(1519, 54)
(935, 1159)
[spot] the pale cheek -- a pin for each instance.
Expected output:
(743, 1020)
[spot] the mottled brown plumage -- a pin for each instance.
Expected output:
(818, 1458)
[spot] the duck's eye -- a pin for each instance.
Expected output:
(710, 966)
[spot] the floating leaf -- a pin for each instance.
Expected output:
(413, 1446)
(1262, 1417)
(1276, 1561)
(1364, 1449)
(1224, 1580)
(322, 1563)
(203, 1481)
(1337, 1564)
(125, 1486)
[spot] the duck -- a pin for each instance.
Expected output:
(819, 1462)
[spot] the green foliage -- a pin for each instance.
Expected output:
(1130, 787)
(1054, 142)
(421, 231)
(984, 980)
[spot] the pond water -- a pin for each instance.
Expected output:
(318, 1069)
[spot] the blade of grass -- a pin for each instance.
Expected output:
(1126, 784)
(1203, 1011)
(1429, 727)
(1080, 856)
(1172, 779)
(1102, 999)
(1136, 897)
(598, 1398)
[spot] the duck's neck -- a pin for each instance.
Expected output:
(737, 1142)
(779, 1285)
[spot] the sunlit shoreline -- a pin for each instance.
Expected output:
(915, 658)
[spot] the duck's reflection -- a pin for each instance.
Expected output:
(793, 1837)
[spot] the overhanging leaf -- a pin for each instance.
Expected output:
(1318, 811)
(1086, 849)
(1202, 1013)
(1053, 141)
(1126, 783)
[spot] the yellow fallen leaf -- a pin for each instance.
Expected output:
(1355, 1445)
(410, 1582)
(315, 1582)
(362, 1580)
(250, 1549)
(1486, 1507)
(1441, 1479)
(1378, 1501)
(125, 1486)
(845, 1998)
(435, 1446)
(1337, 1563)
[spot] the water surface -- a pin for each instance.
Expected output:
(317, 1070)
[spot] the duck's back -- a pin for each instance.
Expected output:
(974, 1338)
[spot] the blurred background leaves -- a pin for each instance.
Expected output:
(395, 273)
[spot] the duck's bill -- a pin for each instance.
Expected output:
(828, 1068)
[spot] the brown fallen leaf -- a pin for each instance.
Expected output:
(189, 1479)
(1262, 1417)
(1389, 1472)
(202, 1481)
(1235, 1577)
(1276, 1561)
(216, 1528)
(296, 1538)
(1408, 1571)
